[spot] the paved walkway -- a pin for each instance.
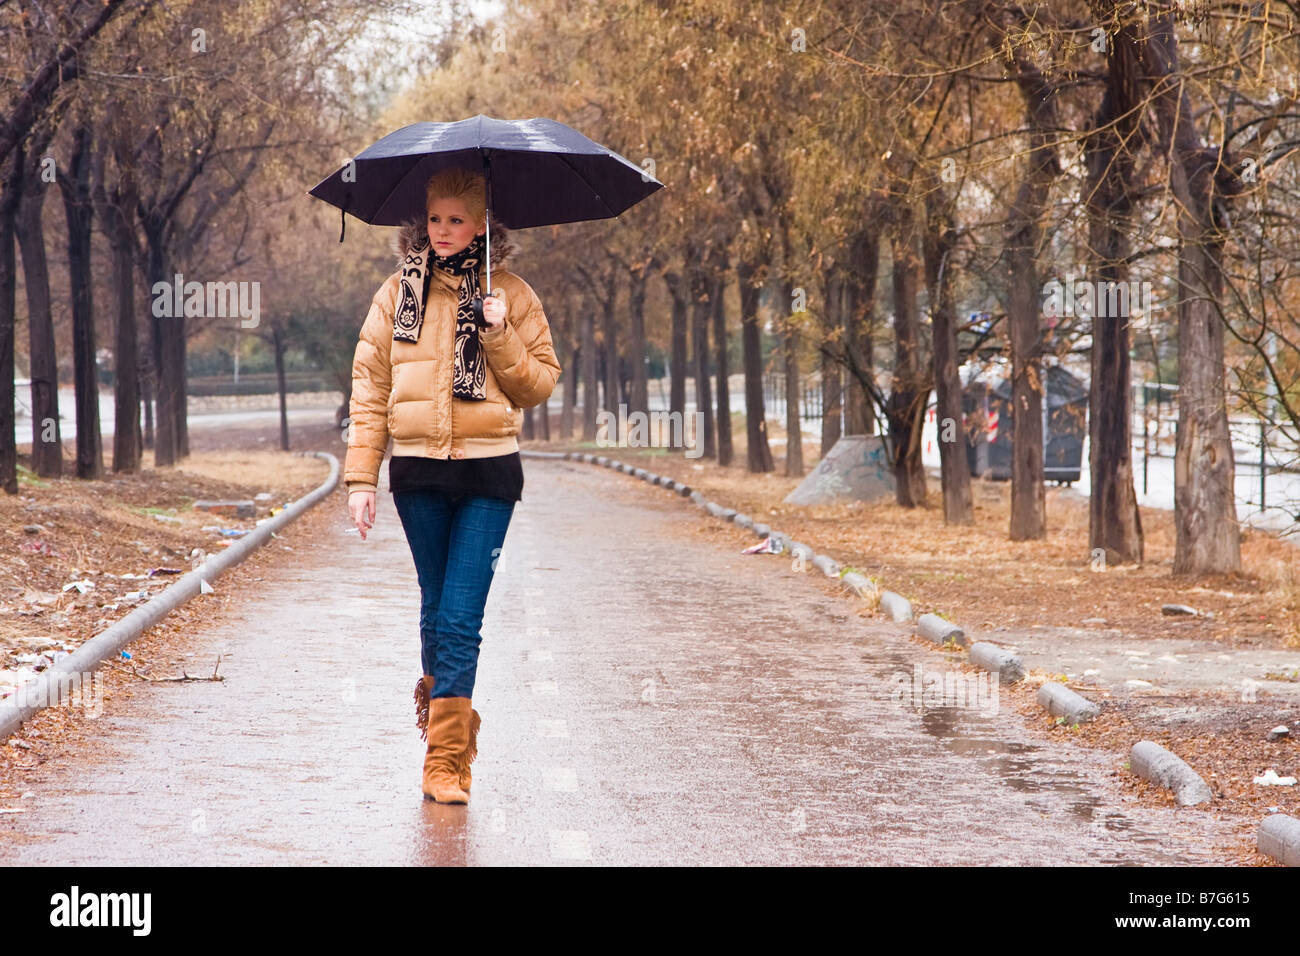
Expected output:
(647, 698)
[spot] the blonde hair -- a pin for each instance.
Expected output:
(457, 183)
(471, 188)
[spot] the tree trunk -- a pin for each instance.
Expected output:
(116, 220)
(47, 441)
(11, 189)
(793, 385)
(864, 268)
(281, 382)
(149, 389)
(79, 213)
(640, 398)
(958, 507)
(589, 397)
(180, 351)
(907, 397)
(1024, 232)
(717, 286)
(758, 454)
(831, 370)
(701, 309)
(570, 393)
(1205, 513)
(677, 363)
(165, 381)
(1114, 522)
(610, 328)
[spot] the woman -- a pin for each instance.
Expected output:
(450, 396)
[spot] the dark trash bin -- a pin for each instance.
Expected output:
(1065, 426)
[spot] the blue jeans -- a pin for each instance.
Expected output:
(455, 541)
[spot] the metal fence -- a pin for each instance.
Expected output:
(811, 399)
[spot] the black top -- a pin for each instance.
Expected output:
(501, 476)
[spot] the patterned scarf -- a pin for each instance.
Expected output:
(470, 374)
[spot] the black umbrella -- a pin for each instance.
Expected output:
(539, 173)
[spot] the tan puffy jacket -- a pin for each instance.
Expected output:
(402, 390)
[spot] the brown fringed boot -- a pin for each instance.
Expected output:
(448, 738)
(423, 688)
(470, 752)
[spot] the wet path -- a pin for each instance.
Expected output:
(647, 698)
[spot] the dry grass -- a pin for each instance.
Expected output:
(100, 530)
(272, 471)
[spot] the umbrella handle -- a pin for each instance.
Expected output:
(487, 217)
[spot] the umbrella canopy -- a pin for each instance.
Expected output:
(539, 173)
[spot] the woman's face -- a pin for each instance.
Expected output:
(450, 226)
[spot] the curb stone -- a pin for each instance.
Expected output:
(858, 583)
(1152, 762)
(56, 682)
(826, 565)
(992, 658)
(896, 606)
(1059, 701)
(1279, 837)
(935, 628)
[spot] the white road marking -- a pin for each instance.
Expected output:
(552, 728)
(561, 779)
(570, 845)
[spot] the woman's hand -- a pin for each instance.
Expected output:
(494, 310)
(361, 505)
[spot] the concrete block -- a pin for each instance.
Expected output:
(1152, 762)
(1059, 701)
(859, 584)
(826, 565)
(896, 606)
(934, 628)
(994, 659)
(1279, 837)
